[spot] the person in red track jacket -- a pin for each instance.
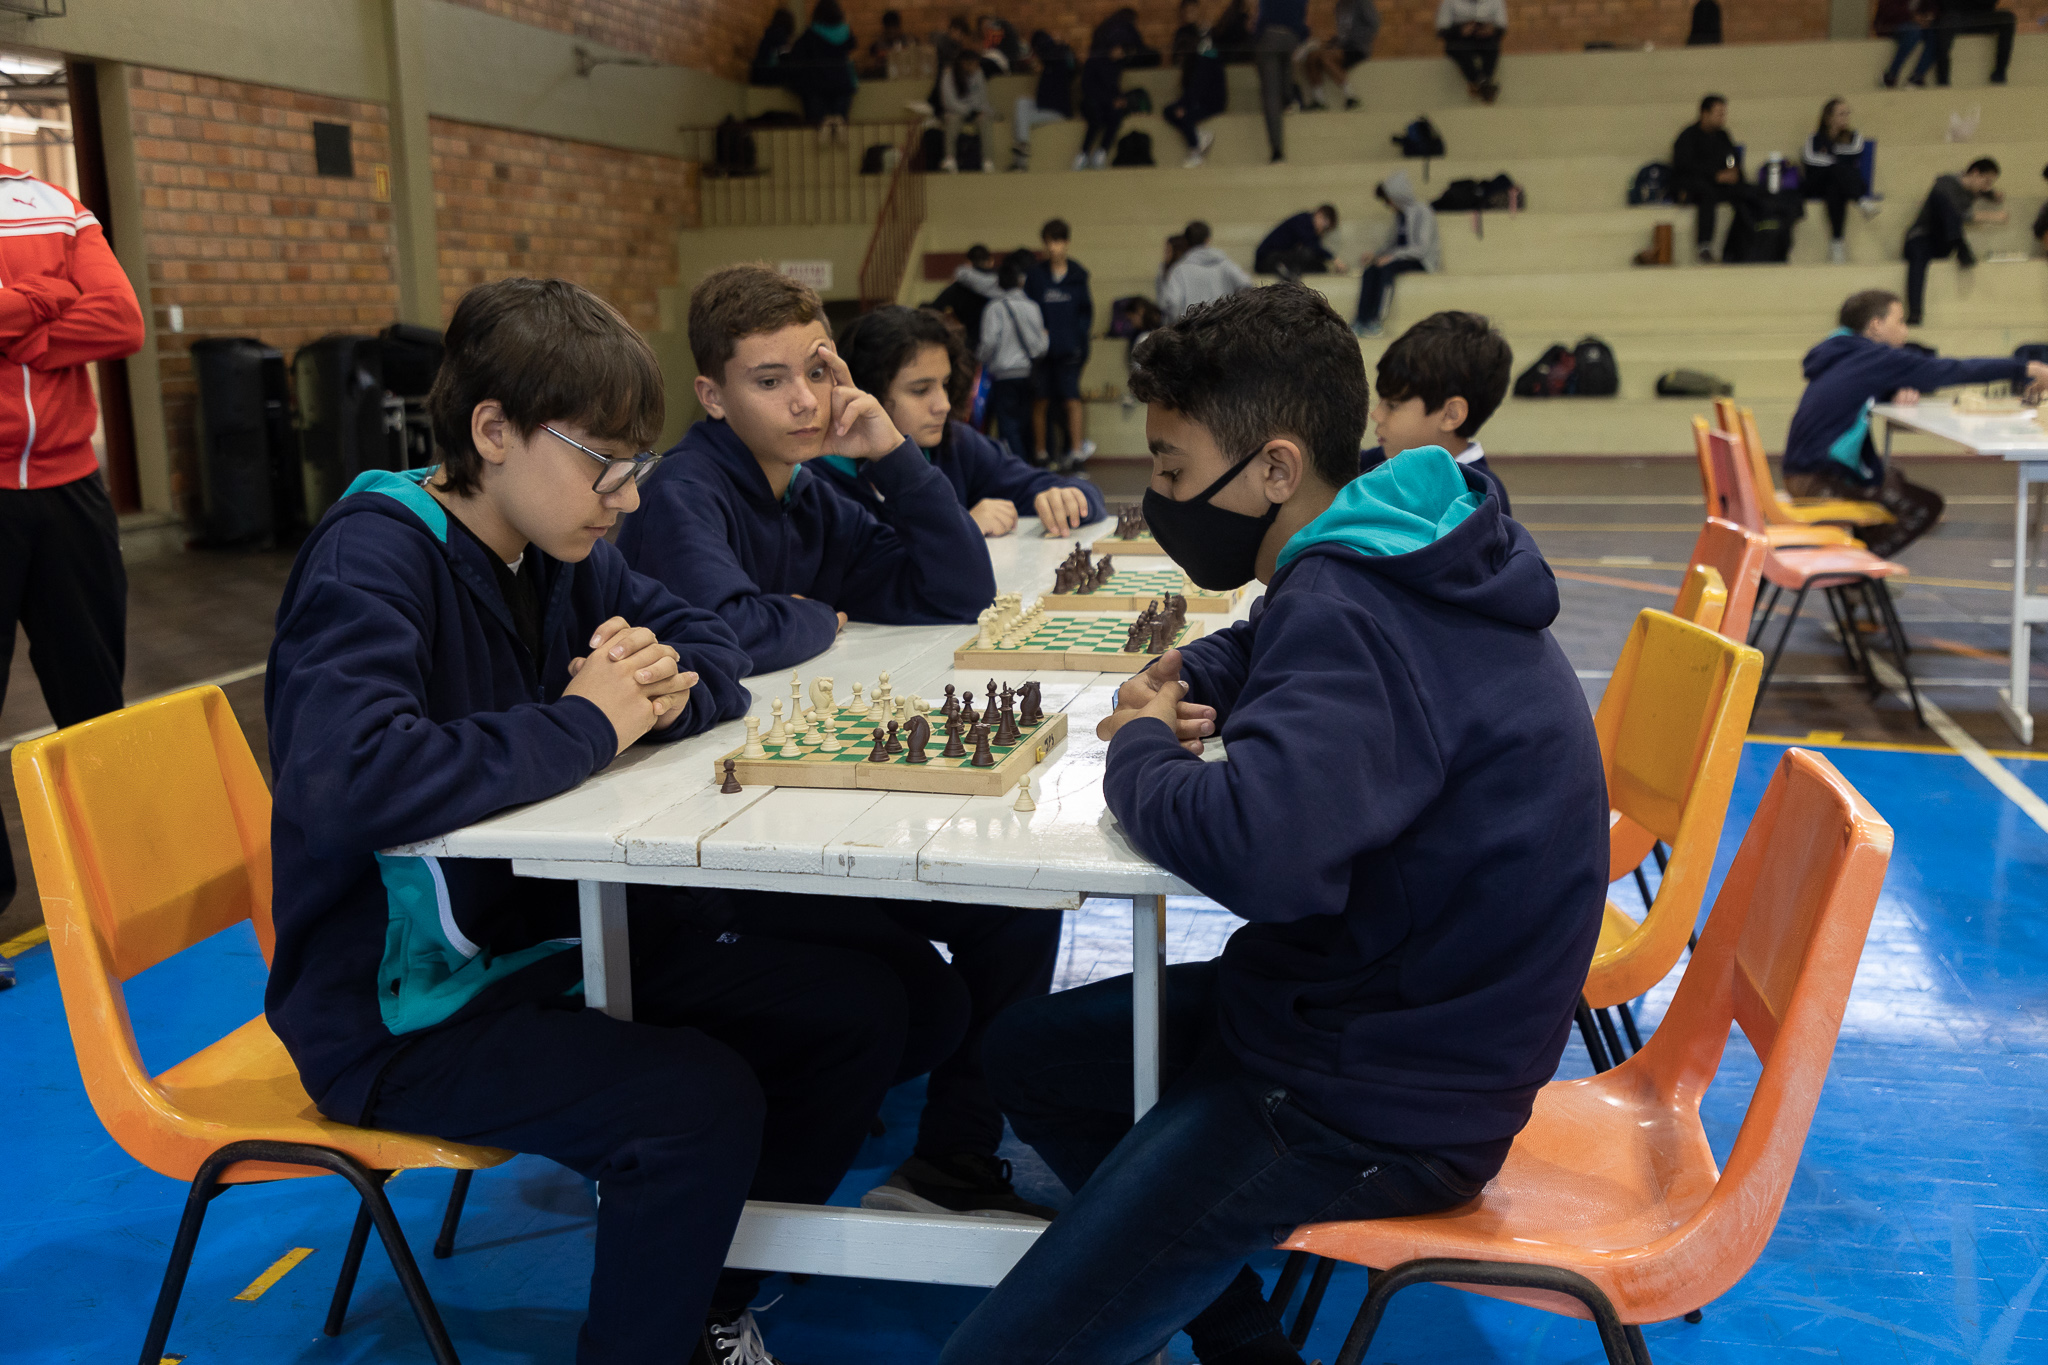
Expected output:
(64, 303)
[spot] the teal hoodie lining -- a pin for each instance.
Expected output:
(1848, 447)
(1410, 502)
(409, 491)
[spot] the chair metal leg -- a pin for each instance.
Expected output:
(444, 1245)
(1319, 1282)
(1590, 1032)
(1607, 1032)
(1290, 1276)
(1662, 853)
(1628, 1026)
(1694, 1316)
(395, 1247)
(1759, 620)
(1615, 1338)
(351, 1262)
(1798, 601)
(1843, 608)
(1881, 595)
(1643, 887)
(206, 1187)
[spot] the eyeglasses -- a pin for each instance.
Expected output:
(613, 476)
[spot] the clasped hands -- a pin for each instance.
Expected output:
(1158, 692)
(637, 681)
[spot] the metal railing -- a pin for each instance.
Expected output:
(795, 175)
(896, 227)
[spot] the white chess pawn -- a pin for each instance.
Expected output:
(803, 732)
(856, 704)
(793, 746)
(987, 622)
(754, 748)
(828, 736)
(1024, 801)
(777, 732)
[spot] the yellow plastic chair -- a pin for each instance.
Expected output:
(1721, 500)
(150, 831)
(1781, 508)
(1671, 726)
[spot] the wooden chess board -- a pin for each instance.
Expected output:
(1092, 643)
(1131, 589)
(1111, 545)
(850, 767)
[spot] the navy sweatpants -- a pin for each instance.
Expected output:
(752, 1069)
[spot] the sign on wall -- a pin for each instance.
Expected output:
(814, 274)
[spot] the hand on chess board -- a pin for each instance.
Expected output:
(1061, 509)
(633, 678)
(995, 516)
(859, 426)
(1158, 692)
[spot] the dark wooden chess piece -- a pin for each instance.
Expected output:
(953, 749)
(1006, 733)
(731, 784)
(966, 713)
(1134, 641)
(917, 734)
(895, 745)
(952, 706)
(1163, 631)
(982, 757)
(880, 753)
(1028, 703)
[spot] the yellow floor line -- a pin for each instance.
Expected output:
(278, 1270)
(1661, 589)
(21, 943)
(1982, 584)
(1609, 563)
(1691, 528)
(1832, 740)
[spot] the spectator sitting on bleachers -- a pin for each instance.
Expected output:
(1705, 169)
(820, 68)
(1358, 28)
(1232, 33)
(1053, 101)
(1102, 104)
(1471, 31)
(884, 48)
(1706, 24)
(1204, 87)
(1200, 276)
(1120, 30)
(1296, 247)
(1937, 232)
(1834, 172)
(947, 45)
(1906, 23)
(1322, 69)
(1971, 16)
(963, 94)
(1000, 43)
(767, 69)
(1411, 245)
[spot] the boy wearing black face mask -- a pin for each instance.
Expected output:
(1411, 818)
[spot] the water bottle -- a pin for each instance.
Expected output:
(1774, 173)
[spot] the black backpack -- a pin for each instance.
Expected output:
(1502, 192)
(733, 148)
(1133, 149)
(1594, 373)
(1692, 384)
(1652, 185)
(931, 149)
(967, 150)
(875, 159)
(1420, 138)
(1461, 196)
(1548, 377)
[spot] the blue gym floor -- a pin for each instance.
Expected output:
(1916, 1230)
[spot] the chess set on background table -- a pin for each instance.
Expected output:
(1131, 537)
(1085, 583)
(892, 743)
(1098, 642)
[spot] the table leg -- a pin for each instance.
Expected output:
(2014, 702)
(607, 956)
(1148, 998)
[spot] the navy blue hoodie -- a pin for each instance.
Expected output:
(402, 705)
(976, 467)
(1847, 373)
(1068, 308)
(1410, 813)
(710, 528)
(1298, 231)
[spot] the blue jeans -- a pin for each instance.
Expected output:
(1376, 286)
(1165, 1212)
(1907, 37)
(1009, 402)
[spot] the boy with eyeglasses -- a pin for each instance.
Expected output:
(457, 640)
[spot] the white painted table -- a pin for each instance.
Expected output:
(656, 817)
(2019, 440)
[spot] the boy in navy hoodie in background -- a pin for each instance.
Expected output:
(918, 367)
(457, 640)
(1059, 286)
(1864, 361)
(734, 521)
(1420, 908)
(1438, 384)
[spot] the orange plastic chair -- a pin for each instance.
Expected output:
(1671, 725)
(1720, 497)
(150, 831)
(1845, 575)
(1737, 556)
(1779, 507)
(1611, 1206)
(1702, 597)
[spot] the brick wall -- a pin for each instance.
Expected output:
(243, 236)
(516, 204)
(709, 35)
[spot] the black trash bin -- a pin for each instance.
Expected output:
(248, 463)
(339, 383)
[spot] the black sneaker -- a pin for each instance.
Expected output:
(966, 1182)
(734, 1341)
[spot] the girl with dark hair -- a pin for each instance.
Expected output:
(919, 368)
(1834, 173)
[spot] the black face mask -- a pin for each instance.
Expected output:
(1218, 548)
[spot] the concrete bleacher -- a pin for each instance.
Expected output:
(1571, 129)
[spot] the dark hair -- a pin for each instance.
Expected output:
(781, 25)
(1328, 211)
(1261, 363)
(1710, 101)
(1379, 192)
(1866, 306)
(879, 344)
(892, 18)
(1983, 165)
(960, 23)
(827, 12)
(742, 301)
(1822, 129)
(1195, 234)
(977, 256)
(1449, 355)
(1056, 230)
(546, 351)
(1010, 274)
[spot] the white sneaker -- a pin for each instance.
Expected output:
(1080, 161)
(1087, 451)
(1100, 159)
(1192, 160)
(1838, 252)
(920, 108)
(735, 1343)
(1871, 204)
(950, 166)
(988, 163)
(1204, 140)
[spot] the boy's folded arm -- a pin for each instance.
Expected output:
(930, 564)
(366, 767)
(1330, 754)
(1215, 667)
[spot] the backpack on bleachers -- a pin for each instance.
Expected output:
(1692, 384)
(967, 150)
(1763, 227)
(1461, 196)
(931, 149)
(1594, 373)
(1420, 139)
(1652, 185)
(875, 159)
(1549, 377)
(1133, 149)
(732, 148)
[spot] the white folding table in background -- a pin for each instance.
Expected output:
(656, 817)
(2020, 440)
